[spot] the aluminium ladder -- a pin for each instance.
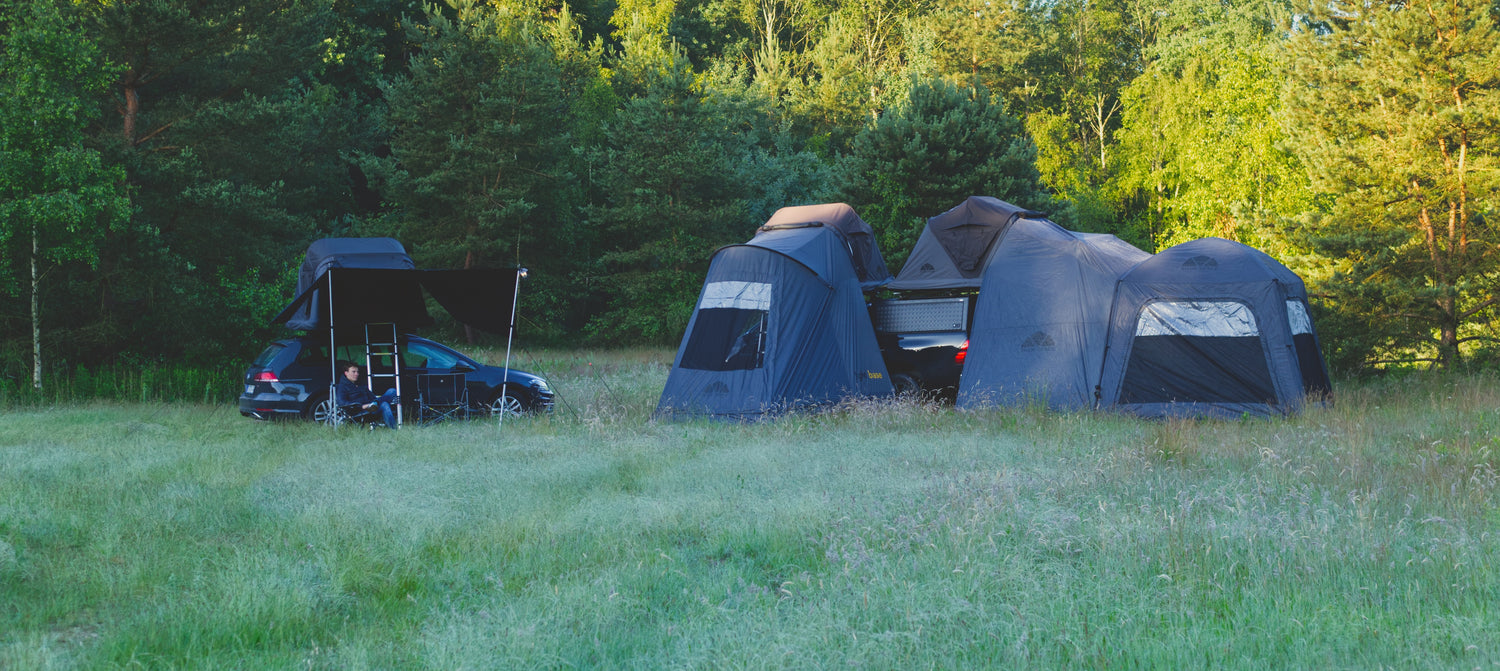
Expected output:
(383, 361)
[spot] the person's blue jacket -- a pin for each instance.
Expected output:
(353, 392)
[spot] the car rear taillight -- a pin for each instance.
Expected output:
(264, 376)
(963, 353)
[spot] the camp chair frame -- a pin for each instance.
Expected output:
(351, 413)
(442, 396)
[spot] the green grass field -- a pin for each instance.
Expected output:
(885, 535)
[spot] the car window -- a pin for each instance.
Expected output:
(312, 355)
(422, 355)
(268, 354)
(354, 353)
(317, 355)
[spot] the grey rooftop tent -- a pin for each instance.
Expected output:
(1042, 316)
(956, 246)
(1211, 327)
(355, 281)
(781, 321)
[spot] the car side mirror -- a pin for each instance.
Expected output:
(463, 368)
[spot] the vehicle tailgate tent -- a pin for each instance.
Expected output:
(1211, 327)
(956, 246)
(781, 321)
(1042, 317)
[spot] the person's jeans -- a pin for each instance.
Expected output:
(386, 412)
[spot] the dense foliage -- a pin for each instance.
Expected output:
(170, 161)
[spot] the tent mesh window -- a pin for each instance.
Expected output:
(729, 332)
(1197, 352)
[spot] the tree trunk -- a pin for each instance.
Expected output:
(132, 108)
(1448, 354)
(36, 316)
(469, 261)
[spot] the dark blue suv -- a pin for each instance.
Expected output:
(290, 379)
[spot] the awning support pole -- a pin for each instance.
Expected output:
(333, 363)
(509, 338)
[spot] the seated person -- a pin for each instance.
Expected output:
(350, 392)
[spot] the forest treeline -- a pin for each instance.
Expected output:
(165, 163)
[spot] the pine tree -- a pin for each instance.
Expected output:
(480, 166)
(925, 157)
(234, 120)
(667, 195)
(1395, 109)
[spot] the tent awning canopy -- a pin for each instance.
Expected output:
(480, 298)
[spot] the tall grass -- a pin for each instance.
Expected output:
(876, 535)
(137, 383)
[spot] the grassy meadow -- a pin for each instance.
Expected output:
(879, 535)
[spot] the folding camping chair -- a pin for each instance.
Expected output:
(442, 397)
(353, 413)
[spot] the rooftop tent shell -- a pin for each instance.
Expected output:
(781, 321)
(956, 246)
(1211, 327)
(858, 238)
(1041, 318)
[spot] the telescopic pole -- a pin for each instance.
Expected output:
(333, 363)
(509, 338)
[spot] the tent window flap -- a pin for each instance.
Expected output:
(1309, 359)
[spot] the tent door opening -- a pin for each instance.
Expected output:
(1197, 352)
(731, 328)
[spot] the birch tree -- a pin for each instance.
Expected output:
(56, 195)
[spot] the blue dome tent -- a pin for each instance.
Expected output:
(1214, 328)
(781, 321)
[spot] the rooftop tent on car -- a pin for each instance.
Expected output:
(370, 297)
(956, 246)
(1041, 318)
(373, 280)
(1211, 327)
(781, 321)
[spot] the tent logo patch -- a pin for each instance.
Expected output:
(716, 387)
(1038, 341)
(927, 268)
(1200, 263)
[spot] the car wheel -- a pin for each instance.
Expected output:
(321, 410)
(506, 404)
(905, 384)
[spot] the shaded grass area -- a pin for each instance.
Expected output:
(877, 535)
(134, 382)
